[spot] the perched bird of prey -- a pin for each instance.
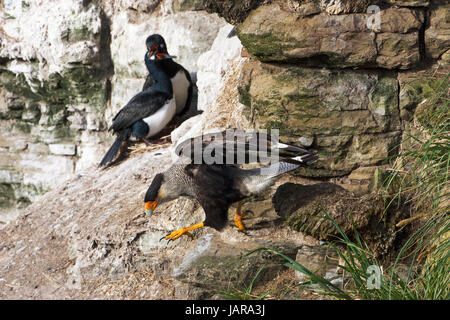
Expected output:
(207, 171)
(148, 112)
(181, 80)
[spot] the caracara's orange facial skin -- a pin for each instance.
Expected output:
(150, 206)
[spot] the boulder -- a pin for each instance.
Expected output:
(271, 33)
(352, 115)
(437, 35)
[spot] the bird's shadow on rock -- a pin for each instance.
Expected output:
(289, 197)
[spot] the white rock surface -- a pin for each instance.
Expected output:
(213, 64)
(186, 37)
(64, 149)
(40, 39)
(41, 30)
(217, 69)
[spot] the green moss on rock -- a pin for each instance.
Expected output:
(420, 90)
(76, 83)
(384, 97)
(435, 94)
(266, 47)
(6, 195)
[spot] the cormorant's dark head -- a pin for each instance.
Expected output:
(157, 48)
(153, 194)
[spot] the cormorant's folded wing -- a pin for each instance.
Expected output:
(141, 106)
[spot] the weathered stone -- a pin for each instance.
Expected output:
(397, 50)
(212, 264)
(285, 38)
(272, 34)
(233, 11)
(8, 177)
(400, 20)
(320, 260)
(145, 6)
(185, 5)
(302, 8)
(409, 3)
(63, 149)
(346, 6)
(236, 11)
(38, 172)
(59, 33)
(362, 173)
(418, 87)
(305, 208)
(306, 141)
(353, 115)
(213, 64)
(437, 35)
(18, 145)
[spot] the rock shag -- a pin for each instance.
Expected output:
(148, 112)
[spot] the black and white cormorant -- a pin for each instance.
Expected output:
(181, 80)
(217, 186)
(148, 112)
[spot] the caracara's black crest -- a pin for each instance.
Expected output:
(152, 191)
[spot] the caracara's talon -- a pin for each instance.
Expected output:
(176, 234)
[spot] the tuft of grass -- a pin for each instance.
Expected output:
(246, 293)
(366, 278)
(420, 177)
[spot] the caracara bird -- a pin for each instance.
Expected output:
(207, 172)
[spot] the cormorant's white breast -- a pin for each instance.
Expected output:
(180, 85)
(160, 118)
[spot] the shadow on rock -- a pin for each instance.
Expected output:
(303, 208)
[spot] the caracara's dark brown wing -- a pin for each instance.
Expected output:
(236, 147)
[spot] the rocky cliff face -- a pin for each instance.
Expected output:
(347, 79)
(66, 68)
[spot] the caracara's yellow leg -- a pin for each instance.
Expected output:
(238, 217)
(183, 231)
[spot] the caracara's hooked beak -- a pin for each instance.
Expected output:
(150, 206)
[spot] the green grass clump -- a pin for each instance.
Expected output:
(420, 178)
